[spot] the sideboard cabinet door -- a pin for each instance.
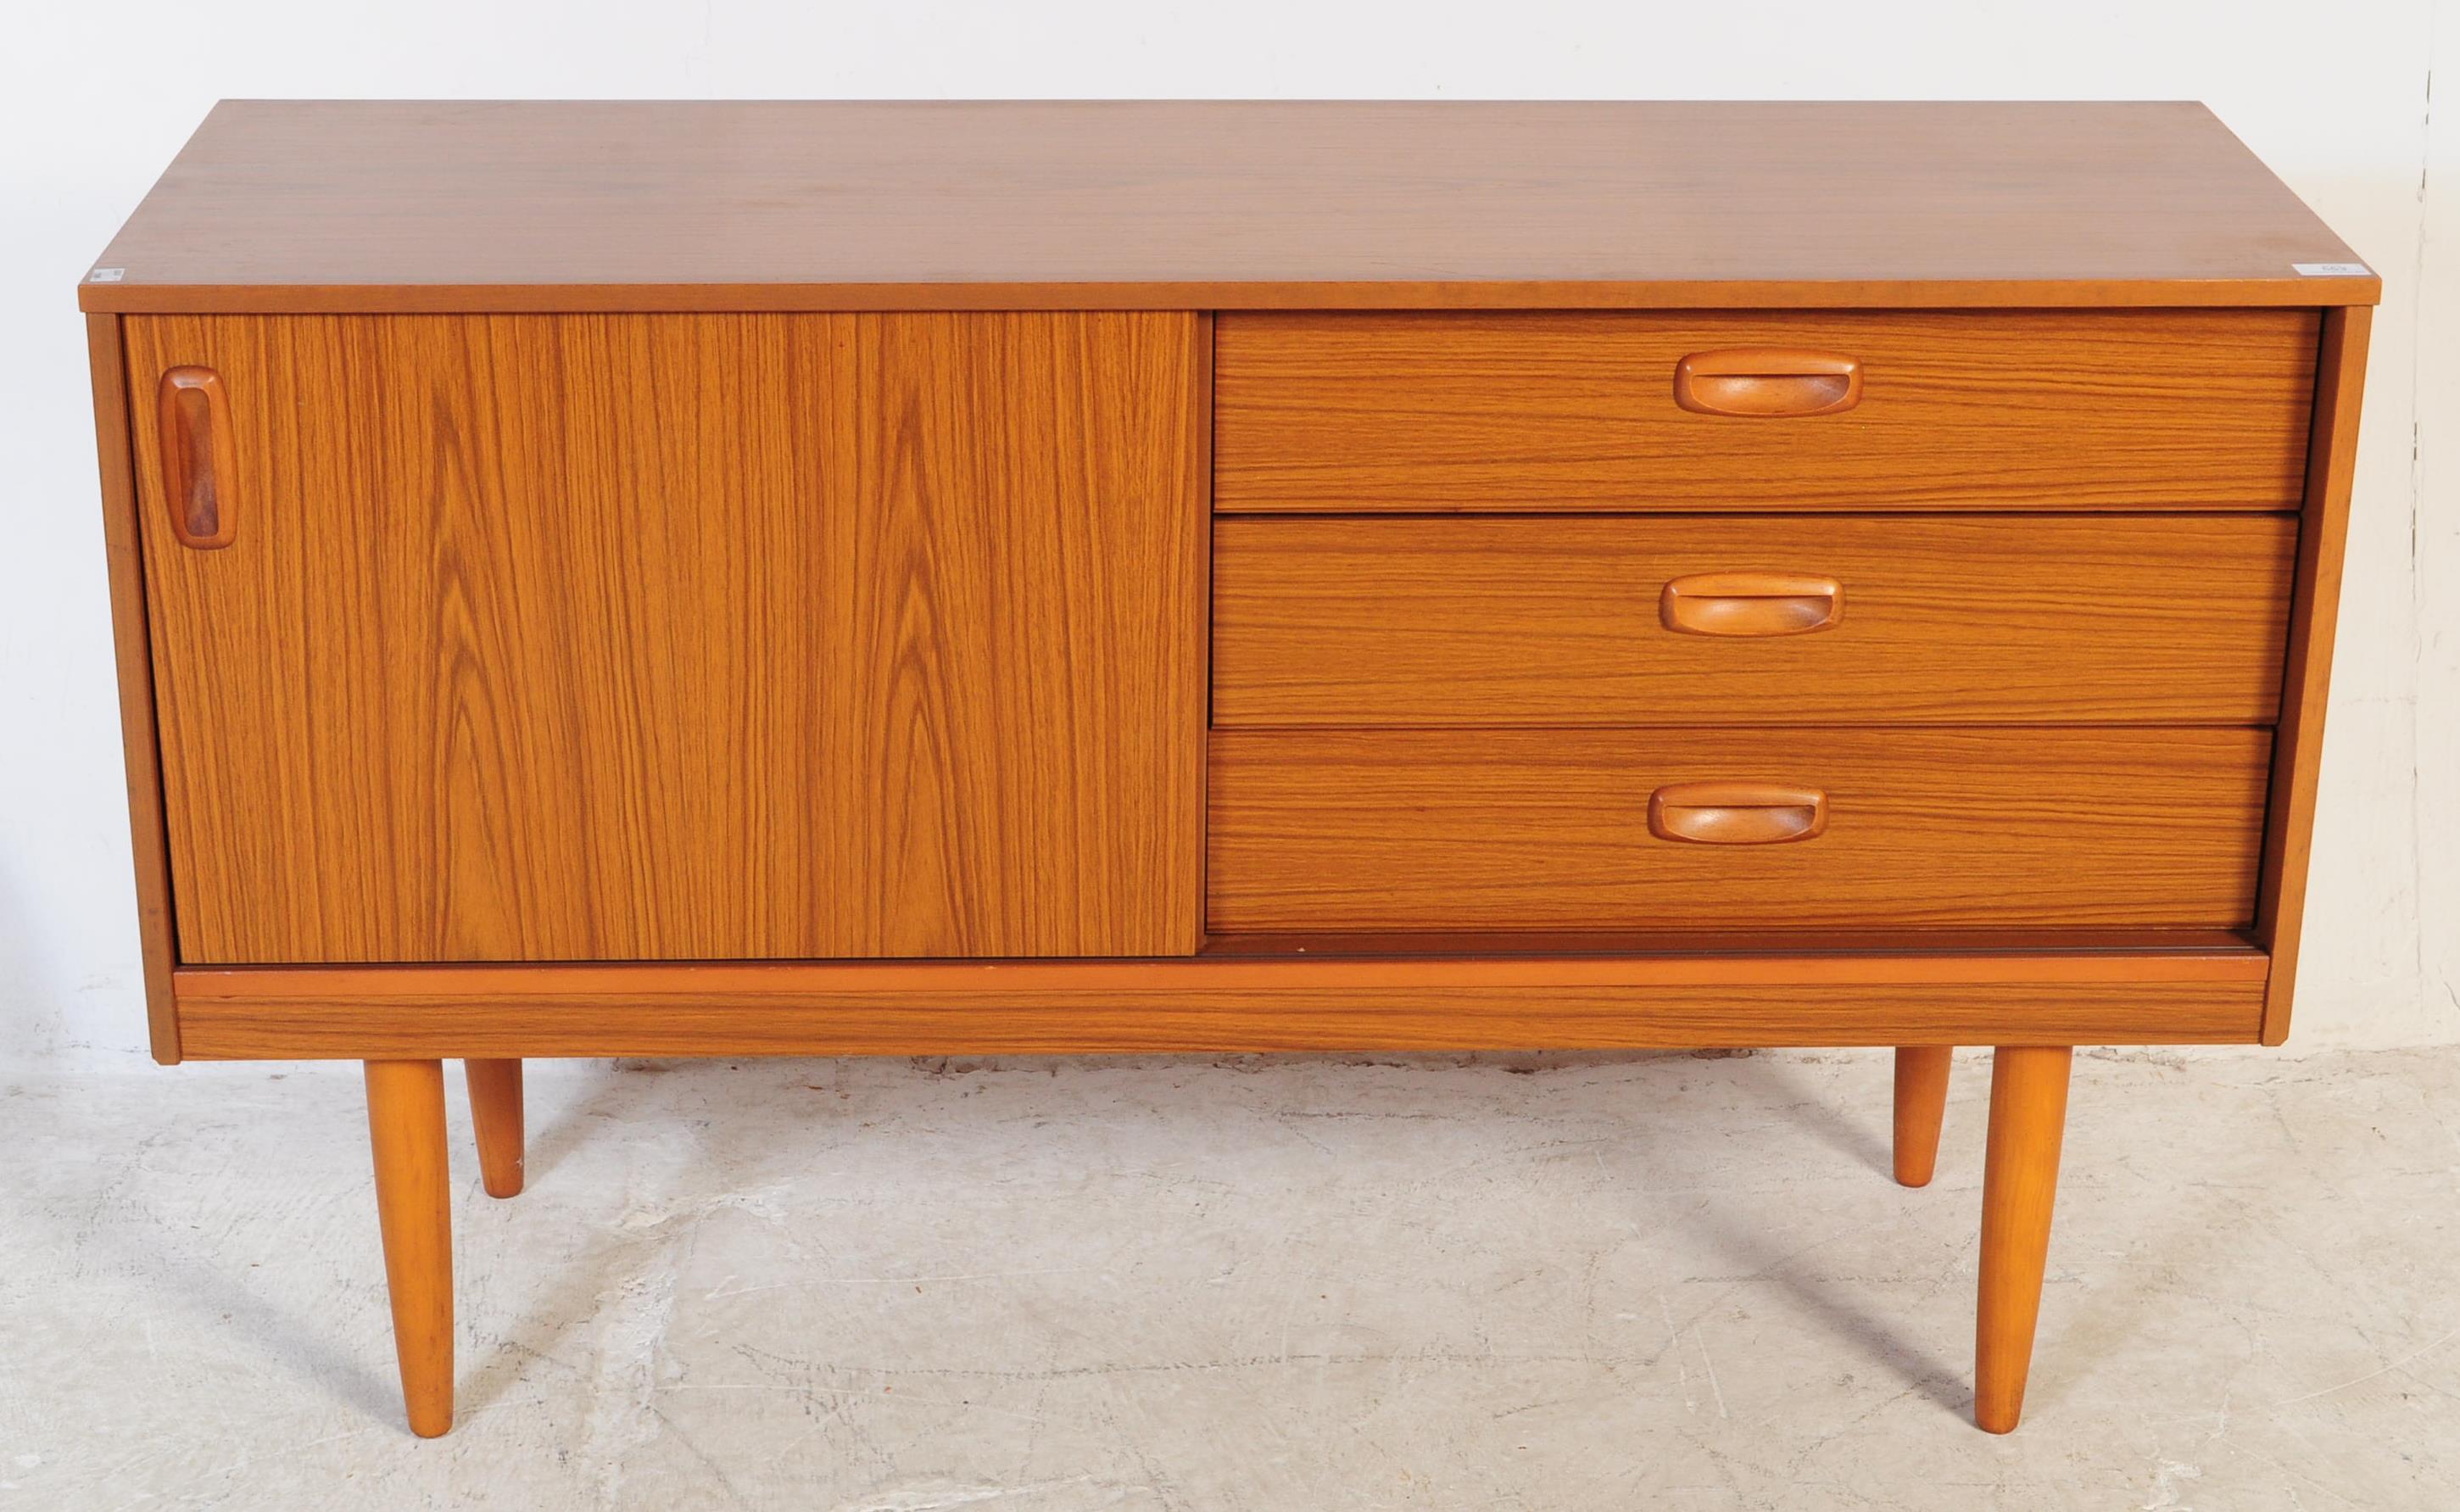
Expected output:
(673, 637)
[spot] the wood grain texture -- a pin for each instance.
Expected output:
(1921, 1100)
(1208, 1005)
(460, 206)
(1983, 619)
(1547, 828)
(414, 1211)
(132, 653)
(2044, 955)
(1329, 412)
(2020, 1180)
(2298, 755)
(684, 637)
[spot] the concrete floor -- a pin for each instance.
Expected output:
(1284, 1285)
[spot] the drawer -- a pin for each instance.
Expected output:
(1692, 619)
(2164, 408)
(1544, 829)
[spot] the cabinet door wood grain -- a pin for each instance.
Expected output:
(2165, 408)
(1942, 619)
(677, 637)
(1551, 829)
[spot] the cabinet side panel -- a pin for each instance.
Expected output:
(2314, 617)
(135, 661)
(685, 637)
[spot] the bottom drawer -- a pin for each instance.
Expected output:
(1449, 829)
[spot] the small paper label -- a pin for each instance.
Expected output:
(106, 275)
(2331, 269)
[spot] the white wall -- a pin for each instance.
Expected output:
(94, 98)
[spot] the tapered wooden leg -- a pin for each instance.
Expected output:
(496, 1112)
(2029, 1115)
(1922, 1103)
(406, 1123)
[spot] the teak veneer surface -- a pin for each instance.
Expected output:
(1411, 829)
(657, 637)
(1552, 409)
(140, 748)
(1987, 619)
(636, 205)
(1201, 1005)
(1935, 952)
(2298, 755)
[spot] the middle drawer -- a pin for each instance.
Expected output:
(1742, 619)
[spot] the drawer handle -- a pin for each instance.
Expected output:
(1750, 603)
(1736, 813)
(1763, 382)
(196, 457)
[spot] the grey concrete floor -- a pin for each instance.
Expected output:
(1602, 1282)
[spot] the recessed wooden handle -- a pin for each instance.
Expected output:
(1736, 813)
(1751, 603)
(196, 458)
(1765, 382)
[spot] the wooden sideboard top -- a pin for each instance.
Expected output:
(499, 206)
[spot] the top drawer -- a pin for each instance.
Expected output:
(2162, 408)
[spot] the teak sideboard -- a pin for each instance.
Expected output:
(741, 579)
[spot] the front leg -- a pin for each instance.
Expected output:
(406, 1124)
(2029, 1112)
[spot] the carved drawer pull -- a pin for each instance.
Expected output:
(1750, 603)
(1766, 382)
(197, 456)
(1736, 813)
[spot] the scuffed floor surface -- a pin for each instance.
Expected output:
(1277, 1286)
